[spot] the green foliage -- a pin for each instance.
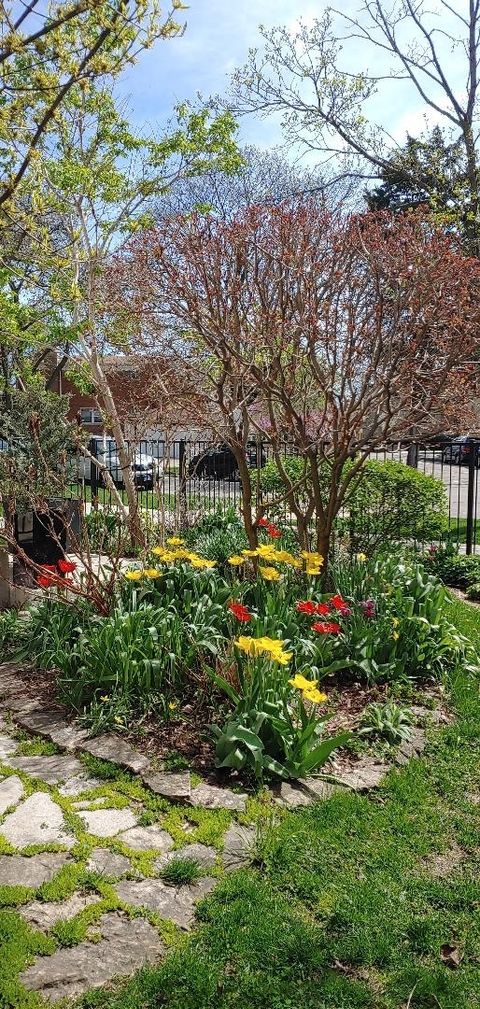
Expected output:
(386, 721)
(9, 631)
(270, 730)
(473, 592)
(39, 439)
(395, 503)
(453, 568)
(180, 871)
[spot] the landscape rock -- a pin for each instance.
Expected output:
(20, 703)
(175, 787)
(204, 855)
(318, 788)
(8, 746)
(113, 748)
(50, 769)
(37, 820)
(11, 791)
(44, 915)
(107, 822)
(411, 747)
(51, 725)
(292, 796)
(108, 863)
(151, 838)
(125, 946)
(174, 903)
(213, 797)
(364, 775)
(18, 870)
(78, 784)
(238, 846)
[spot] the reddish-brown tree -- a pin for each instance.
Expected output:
(334, 333)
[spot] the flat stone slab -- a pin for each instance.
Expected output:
(125, 946)
(238, 846)
(205, 856)
(151, 838)
(108, 863)
(20, 704)
(292, 796)
(78, 784)
(45, 915)
(51, 725)
(176, 904)
(11, 791)
(18, 870)
(211, 797)
(8, 746)
(364, 776)
(175, 787)
(112, 747)
(37, 820)
(50, 769)
(411, 747)
(11, 683)
(318, 789)
(107, 822)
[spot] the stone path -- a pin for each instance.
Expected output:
(107, 860)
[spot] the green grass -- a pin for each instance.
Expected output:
(345, 909)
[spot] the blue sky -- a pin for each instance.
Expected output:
(218, 35)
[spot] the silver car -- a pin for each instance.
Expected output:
(105, 449)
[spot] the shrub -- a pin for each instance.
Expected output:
(458, 570)
(395, 503)
(473, 592)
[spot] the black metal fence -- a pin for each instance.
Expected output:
(197, 477)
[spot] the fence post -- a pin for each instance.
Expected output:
(93, 470)
(412, 455)
(182, 483)
(472, 465)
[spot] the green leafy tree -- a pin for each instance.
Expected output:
(45, 52)
(93, 187)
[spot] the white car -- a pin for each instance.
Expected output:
(143, 465)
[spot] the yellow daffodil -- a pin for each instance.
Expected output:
(395, 635)
(104, 698)
(134, 576)
(269, 574)
(395, 621)
(158, 551)
(117, 720)
(175, 541)
(152, 573)
(313, 558)
(312, 570)
(236, 560)
(284, 557)
(250, 553)
(301, 683)
(264, 646)
(361, 557)
(267, 552)
(314, 695)
(201, 562)
(172, 706)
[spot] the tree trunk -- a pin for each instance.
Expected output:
(105, 395)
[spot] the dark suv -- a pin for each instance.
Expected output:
(218, 461)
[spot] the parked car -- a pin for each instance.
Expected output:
(219, 461)
(143, 465)
(460, 450)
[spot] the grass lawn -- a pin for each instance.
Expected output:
(352, 900)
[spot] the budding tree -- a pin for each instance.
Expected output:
(331, 333)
